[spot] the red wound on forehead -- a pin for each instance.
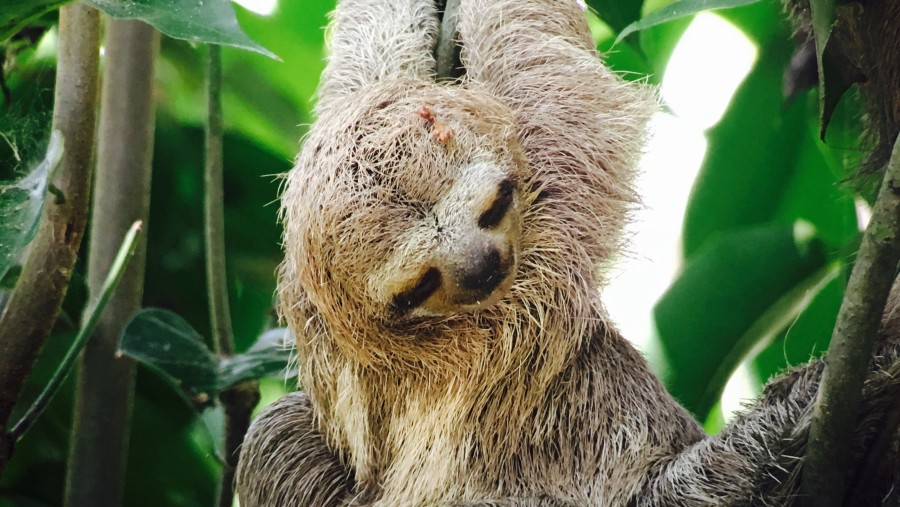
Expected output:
(441, 132)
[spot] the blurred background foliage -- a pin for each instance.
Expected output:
(766, 241)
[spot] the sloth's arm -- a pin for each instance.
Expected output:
(285, 461)
(758, 456)
(581, 125)
(375, 39)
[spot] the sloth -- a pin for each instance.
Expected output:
(444, 250)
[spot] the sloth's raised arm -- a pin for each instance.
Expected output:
(376, 39)
(581, 125)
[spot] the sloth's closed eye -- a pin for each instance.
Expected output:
(414, 297)
(492, 217)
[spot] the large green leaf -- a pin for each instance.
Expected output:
(751, 156)
(16, 13)
(733, 296)
(21, 203)
(808, 336)
(209, 21)
(678, 10)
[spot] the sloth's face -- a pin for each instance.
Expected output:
(409, 205)
(459, 254)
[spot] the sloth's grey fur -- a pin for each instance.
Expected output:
(515, 390)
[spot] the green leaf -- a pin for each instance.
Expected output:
(268, 357)
(751, 156)
(168, 344)
(733, 296)
(17, 13)
(21, 204)
(207, 21)
(808, 336)
(679, 10)
(617, 13)
(837, 71)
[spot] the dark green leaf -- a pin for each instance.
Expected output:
(617, 13)
(269, 357)
(808, 336)
(837, 72)
(167, 343)
(733, 296)
(21, 203)
(679, 10)
(17, 13)
(207, 21)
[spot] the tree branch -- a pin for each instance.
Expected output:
(35, 302)
(852, 345)
(105, 388)
(238, 400)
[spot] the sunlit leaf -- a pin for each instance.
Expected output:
(678, 10)
(206, 21)
(751, 157)
(734, 295)
(21, 203)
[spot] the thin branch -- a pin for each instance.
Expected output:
(216, 281)
(34, 305)
(105, 388)
(446, 50)
(239, 399)
(126, 251)
(852, 345)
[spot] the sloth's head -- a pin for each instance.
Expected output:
(405, 207)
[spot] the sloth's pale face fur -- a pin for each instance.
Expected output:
(410, 234)
(460, 250)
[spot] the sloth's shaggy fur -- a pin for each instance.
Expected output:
(517, 392)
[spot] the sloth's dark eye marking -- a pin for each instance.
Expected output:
(492, 217)
(414, 297)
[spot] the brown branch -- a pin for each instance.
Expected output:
(104, 392)
(852, 345)
(238, 400)
(35, 302)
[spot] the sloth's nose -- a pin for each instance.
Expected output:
(483, 272)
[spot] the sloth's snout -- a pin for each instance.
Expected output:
(484, 272)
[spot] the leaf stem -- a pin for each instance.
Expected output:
(216, 280)
(852, 345)
(238, 399)
(126, 251)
